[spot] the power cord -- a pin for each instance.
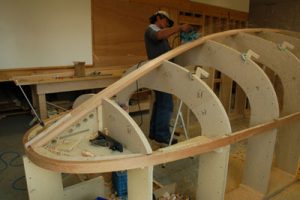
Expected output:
(12, 160)
(14, 184)
(12, 163)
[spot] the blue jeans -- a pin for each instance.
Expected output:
(161, 115)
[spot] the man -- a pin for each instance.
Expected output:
(156, 42)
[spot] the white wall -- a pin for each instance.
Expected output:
(241, 5)
(38, 33)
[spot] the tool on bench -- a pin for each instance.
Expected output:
(106, 141)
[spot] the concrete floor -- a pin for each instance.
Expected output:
(182, 172)
(12, 180)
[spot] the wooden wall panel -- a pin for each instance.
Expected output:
(118, 28)
(119, 25)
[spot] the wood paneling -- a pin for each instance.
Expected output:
(118, 28)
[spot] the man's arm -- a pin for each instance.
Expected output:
(167, 32)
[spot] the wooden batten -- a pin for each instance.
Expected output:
(7, 74)
(157, 157)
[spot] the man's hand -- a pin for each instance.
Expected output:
(167, 32)
(185, 27)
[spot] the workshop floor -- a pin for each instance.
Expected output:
(12, 179)
(183, 172)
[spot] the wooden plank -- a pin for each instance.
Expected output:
(91, 74)
(7, 74)
(62, 71)
(74, 85)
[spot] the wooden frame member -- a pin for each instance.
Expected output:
(210, 113)
(255, 83)
(287, 67)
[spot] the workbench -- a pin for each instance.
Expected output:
(43, 84)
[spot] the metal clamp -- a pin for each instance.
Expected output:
(201, 73)
(285, 46)
(249, 54)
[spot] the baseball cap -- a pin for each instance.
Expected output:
(166, 15)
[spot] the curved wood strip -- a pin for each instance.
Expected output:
(161, 156)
